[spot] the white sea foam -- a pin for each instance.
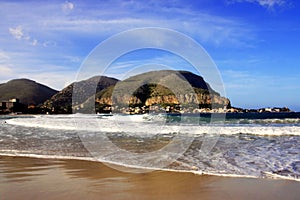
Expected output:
(271, 121)
(138, 169)
(236, 156)
(146, 124)
(277, 176)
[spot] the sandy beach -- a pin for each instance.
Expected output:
(32, 178)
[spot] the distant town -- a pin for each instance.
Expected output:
(11, 106)
(14, 106)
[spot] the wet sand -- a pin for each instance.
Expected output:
(32, 178)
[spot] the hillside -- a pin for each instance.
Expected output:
(62, 101)
(27, 91)
(165, 88)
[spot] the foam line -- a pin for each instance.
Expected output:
(269, 174)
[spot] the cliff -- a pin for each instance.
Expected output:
(166, 88)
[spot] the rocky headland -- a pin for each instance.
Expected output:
(164, 91)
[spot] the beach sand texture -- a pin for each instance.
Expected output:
(32, 178)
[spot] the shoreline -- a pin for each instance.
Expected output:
(171, 113)
(135, 169)
(230, 110)
(27, 178)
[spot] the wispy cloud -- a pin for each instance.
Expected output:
(34, 42)
(3, 56)
(247, 88)
(48, 41)
(18, 33)
(111, 17)
(15, 65)
(5, 66)
(6, 71)
(56, 80)
(270, 4)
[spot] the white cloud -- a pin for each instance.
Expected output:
(65, 34)
(109, 17)
(207, 28)
(5, 66)
(34, 42)
(5, 70)
(67, 6)
(26, 65)
(265, 3)
(55, 80)
(49, 44)
(16, 32)
(3, 56)
(234, 74)
(73, 59)
(250, 89)
(271, 3)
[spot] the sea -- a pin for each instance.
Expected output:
(255, 145)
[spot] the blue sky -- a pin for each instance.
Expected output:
(254, 43)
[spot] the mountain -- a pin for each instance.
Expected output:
(27, 91)
(62, 101)
(165, 88)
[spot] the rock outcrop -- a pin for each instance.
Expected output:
(166, 88)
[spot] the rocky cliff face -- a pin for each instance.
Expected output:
(165, 88)
(152, 88)
(201, 99)
(193, 98)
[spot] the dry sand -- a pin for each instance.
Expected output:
(31, 178)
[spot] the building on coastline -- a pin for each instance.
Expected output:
(9, 105)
